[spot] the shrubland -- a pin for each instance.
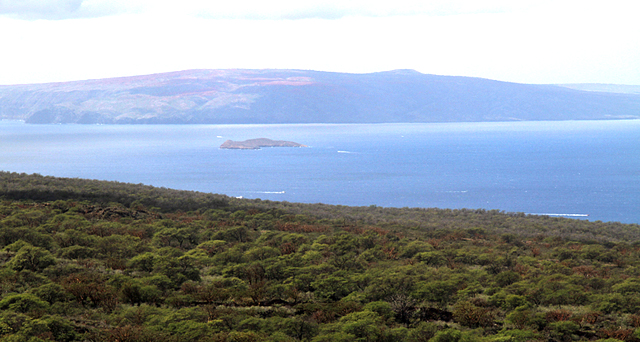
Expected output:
(84, 260)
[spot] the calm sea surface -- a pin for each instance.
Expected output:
(575, 167)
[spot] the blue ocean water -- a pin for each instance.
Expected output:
(571, 167)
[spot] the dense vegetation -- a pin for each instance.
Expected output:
(85, 260)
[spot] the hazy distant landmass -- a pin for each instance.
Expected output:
(606, 88)
(256, 144)
(297, 96)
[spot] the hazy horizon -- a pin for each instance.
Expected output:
(587, 86)
(534, 42)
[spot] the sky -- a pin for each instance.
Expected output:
(522, 41)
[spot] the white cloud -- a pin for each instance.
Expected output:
(335, 9)
(255, 9)
(57, 9)
(34, 9)
(530, 42)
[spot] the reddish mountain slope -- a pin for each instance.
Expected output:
(295, 96)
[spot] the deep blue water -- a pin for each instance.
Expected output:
(574, 167)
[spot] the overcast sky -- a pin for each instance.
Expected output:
(524, 41)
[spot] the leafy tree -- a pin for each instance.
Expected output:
(470, 315)
(178, 270)
(58, 328)
(440, 292)
(506, 278)
(333, 287)
(23, 302)
(423, 332)
(364, 325)
(261, 253)
(383, 309)
(299, 329)
(51, 293)
(434, 258)
(31, 258)
(447, 335)
(564, 330)
(143, 262)
(517, 335)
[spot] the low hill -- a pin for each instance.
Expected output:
(298, 96)
(256, 144)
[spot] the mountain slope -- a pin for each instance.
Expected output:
(296, 96)
(85, 260)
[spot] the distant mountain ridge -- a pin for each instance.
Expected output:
(606, 88)
(300, 96)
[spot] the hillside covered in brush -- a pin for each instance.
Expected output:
(84, 260)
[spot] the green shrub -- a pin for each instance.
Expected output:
(31, 258)
(23, 302)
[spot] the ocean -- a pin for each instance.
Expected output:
(581, 169)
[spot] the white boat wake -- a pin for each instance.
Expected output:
(563, 215)
(267, 192)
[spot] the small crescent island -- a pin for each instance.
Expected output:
(256, 144)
